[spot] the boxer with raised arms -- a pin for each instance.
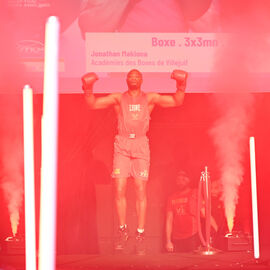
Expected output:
(131, 146)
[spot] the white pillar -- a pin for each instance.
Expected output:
(49, 148)
(254, 199)
(29, 179)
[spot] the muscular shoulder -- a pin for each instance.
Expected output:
(116, 97)
(152, 97)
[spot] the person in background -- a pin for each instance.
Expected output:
(181, 226)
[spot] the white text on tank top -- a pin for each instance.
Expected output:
(134, 115)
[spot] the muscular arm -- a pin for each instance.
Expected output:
(169, 222)
(88, 81)
(177, 99)
(167, 100)
(101, 102)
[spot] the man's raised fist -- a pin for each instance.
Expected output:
(88, 80)
(180, 76)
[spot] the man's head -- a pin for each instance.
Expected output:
(134, 79)
(182, 180)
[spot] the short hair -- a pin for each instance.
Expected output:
(134, 70)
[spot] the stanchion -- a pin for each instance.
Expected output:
(204, 195)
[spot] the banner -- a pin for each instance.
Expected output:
(151, 52)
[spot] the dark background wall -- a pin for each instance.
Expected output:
(179, 138)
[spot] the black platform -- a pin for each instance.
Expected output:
(221, 260)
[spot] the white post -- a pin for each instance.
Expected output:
(29, 179)
(254, 199)
(49, 148)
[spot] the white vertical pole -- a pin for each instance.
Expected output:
(29, 179)
(254, 199)
(49, 138)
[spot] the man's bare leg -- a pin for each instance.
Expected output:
(120, 199)
(121, 205)
(141, 202)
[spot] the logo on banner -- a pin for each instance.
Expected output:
(28, 48)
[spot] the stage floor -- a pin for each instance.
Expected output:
(222, 260)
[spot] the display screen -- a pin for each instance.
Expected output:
(155, 37)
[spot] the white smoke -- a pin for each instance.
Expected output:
(230, 134)
(245, 52)
(11, 155)
(12, 187)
